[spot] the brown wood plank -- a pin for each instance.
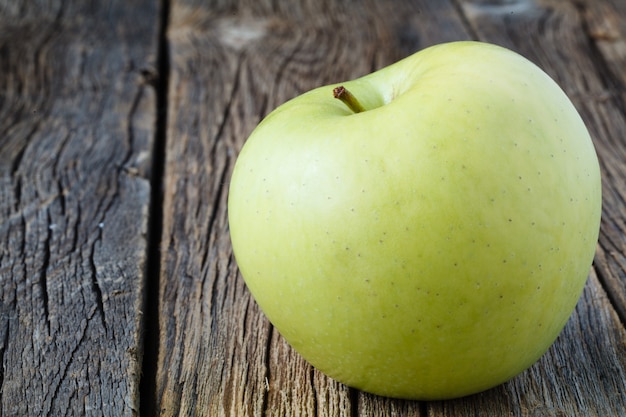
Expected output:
(230, 65)
(77, 123)
(233, 62)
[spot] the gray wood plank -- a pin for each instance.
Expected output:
(77, 125)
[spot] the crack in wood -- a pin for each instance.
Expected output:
(43, 272)
(159, 79)
(96, 287)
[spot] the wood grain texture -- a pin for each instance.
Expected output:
(80, 133)
(77, 121)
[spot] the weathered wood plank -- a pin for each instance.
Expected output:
(77, 123)
(230, 65)
(233, 62)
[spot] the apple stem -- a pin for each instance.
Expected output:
(348, 99)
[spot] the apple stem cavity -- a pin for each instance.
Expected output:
(348, 99)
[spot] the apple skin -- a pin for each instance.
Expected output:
(433, 246)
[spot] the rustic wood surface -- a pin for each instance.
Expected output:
(77, 128)
(120, 123)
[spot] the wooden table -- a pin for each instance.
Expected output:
(120, 122)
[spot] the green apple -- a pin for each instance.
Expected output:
(428, 235)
